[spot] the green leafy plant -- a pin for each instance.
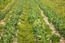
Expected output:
(55, 38)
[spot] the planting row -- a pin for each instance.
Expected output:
(3, 13)
(25, 31)
(58, 22)
(9, 31)
(41, 29)
(8, 16)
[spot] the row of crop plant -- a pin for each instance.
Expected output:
(25, 31)
(8, 16)
(33, 18)
(58, 22)
(39, 26)
(3, 3)
(35, 21)
(3, 13)
(9, 31)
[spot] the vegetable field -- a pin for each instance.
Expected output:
(31, 21)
